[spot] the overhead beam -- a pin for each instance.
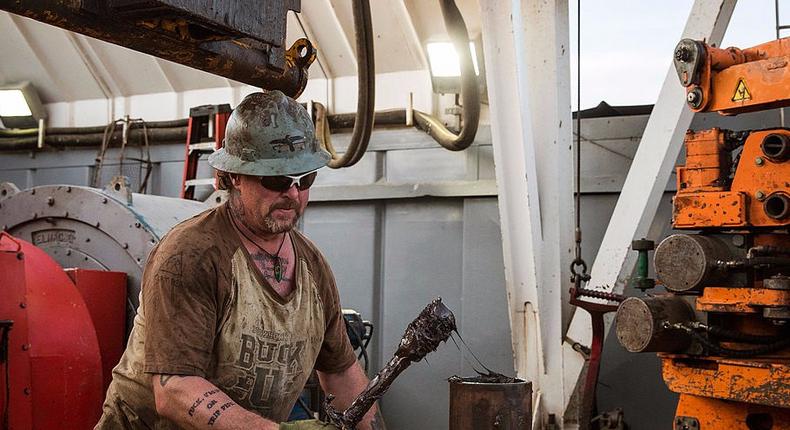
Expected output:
(531, 68)
(647, 178)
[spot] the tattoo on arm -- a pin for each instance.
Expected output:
(212, 405)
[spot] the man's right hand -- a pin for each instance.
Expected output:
(307, 425)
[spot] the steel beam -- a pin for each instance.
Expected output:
(531, 67)
(647, 177)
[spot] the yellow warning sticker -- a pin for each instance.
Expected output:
(741, 92)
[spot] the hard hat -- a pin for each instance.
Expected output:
(269, 134)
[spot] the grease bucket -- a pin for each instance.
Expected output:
(478, 405)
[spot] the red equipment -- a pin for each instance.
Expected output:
(205, 134)
(55, 359)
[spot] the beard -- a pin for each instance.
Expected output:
(273, 225)
(268, 223)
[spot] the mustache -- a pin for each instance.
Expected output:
(288, 204)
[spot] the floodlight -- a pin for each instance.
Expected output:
(445, 66)
(20, 106)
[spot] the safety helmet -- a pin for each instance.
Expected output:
(269, 134)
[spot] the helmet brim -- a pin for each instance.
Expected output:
(304, 162)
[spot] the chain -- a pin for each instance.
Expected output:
(578, 261)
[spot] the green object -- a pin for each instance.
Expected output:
(269, 134)
(307, 425)
(641, 280)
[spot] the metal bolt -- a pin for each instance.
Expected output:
(125, 246)
(104, 200)
(98, 224)
(759, 161)
(692, 97)
(68, 252)
(759, 195)
(87, 239)
(137, 224)
(26, 391)
(66, 215)
(738, 240)
(33, 191)
(25, 347)
(23, 305)
(68, 189)
(682, 54)
(50, 201)
(35, 215)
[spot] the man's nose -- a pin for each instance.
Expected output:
(293, 192)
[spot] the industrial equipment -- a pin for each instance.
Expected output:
(65, 329)
(721, 329)
(230, 38)
(88, 228)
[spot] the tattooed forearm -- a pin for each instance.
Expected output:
(217, 413)
(200, 400)
(164, 379)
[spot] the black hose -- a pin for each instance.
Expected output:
(156, 135)
(737, 336)
(739, 353)
(21, 132)
(366, 91)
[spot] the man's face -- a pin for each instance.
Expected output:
(265, 211)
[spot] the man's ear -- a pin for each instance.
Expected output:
(235, 179)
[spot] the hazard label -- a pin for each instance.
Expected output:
(741, 92)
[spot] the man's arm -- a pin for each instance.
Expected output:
(195, 403)
(345, 386)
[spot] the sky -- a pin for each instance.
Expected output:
(627, 46)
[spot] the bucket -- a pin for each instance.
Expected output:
(478, 405)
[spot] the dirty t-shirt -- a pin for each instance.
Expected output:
(207, 311)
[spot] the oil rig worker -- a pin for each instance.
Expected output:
(237, 306)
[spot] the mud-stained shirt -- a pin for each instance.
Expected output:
(205, 310)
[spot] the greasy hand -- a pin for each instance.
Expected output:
(307, 425)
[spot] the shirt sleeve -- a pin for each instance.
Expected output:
(336, 353)
(179, 306)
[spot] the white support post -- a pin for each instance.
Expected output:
(647, 177)
(525, 45)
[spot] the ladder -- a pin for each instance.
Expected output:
(205, 134)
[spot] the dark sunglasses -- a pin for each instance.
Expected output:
(284, 183)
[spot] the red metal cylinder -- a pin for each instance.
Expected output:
(54, 363)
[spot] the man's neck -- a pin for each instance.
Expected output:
(250, 234)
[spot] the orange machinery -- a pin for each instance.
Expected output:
(722, 329)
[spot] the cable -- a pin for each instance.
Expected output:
(366, 91)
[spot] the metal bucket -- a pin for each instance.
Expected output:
(484, 405)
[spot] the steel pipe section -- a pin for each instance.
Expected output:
(82, 227)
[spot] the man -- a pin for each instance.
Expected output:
(237, 307)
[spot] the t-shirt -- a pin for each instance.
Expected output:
(205, 310)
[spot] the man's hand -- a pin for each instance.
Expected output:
(307, 425)
(195, 403)
(346, 385)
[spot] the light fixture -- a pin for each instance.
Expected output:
(20, 106)
(445, 66)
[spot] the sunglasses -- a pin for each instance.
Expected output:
(284, 183)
